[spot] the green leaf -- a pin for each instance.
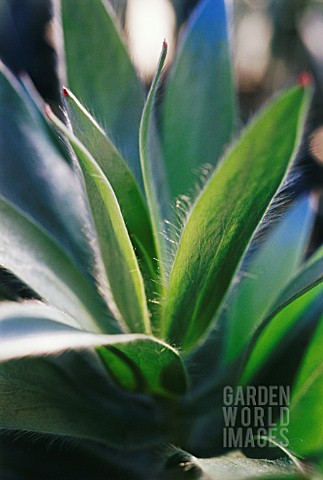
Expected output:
(132, 204)
(35, 259)
(308, 277)
(36, 178)
(292, 305)
(273, 331)
(72, 396)
(226, 215)
(306, 410)
(119, 258)
(146, 365)
(100, 73)
(264, 277)
(151, 166)
(198, 116)
(35, 329)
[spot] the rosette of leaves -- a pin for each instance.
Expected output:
(148, 292)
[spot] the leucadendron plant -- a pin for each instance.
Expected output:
(151, 291)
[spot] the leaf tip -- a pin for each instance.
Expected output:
(305, 79)
(165, 45)
(47, 111)
(65, 92)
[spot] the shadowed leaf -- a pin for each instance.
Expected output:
(263, 279)
(198, 115)
(35, 177)
(35, 259)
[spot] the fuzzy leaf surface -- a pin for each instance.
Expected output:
(116, 170)
(100, 73)
(119, 258)
(152, 166)
(198, 116)
(35, 329)
(226, 215)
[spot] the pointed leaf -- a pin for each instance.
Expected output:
(119, 258)
(262, 273)
(198, 117)
(100, 73)
(132, 204)
(34, 329)
(263, 279)
(226, 215)
(152, 165)
(36, 260)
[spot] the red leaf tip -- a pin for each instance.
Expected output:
(165, 44)
(305, 79)
(47, 110)
(65, 92)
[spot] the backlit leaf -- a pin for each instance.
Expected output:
(226, 215)
(119, 258)
(35, 329)
(132, 204)
(152, 165)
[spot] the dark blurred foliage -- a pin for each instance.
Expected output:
(26, 456)
(27, 44)
(183, 9)
(27, 48)
(11, 288)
